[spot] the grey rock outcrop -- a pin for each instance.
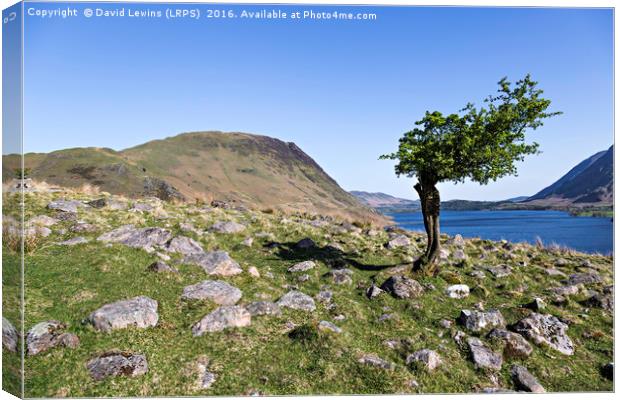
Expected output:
(215, 263)
(222, 318)
(218, 292)
(139, 312)
(545, 329)
(116, 363)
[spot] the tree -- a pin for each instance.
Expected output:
(480, 144)
(22, 173)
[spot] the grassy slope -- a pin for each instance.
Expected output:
(67, 283)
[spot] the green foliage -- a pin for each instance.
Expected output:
(481, 144)
(22, 173)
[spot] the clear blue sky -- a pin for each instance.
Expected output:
(344, 91)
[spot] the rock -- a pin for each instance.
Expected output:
(83, 227)
(428, 359)
(254, 272)
(457, 241)
(515, 345)
(305, 244)
(98, 203)
(297, 301)
(606, 302)
(206, 378)
(373, 291)
(42, 220)
(459, 337)
(341, 276)
(565, 290)
(445, 323)
(324, 296)
(223, 317)
(184, 245)
(477, 321)
(483, 357)
(248, 242)
(607, 371)
(524, 380)
(375, 361)
(160, 266)
(10, 337)
(398, 241)
(218, 292)
(302, 266)
(545, 330)
(117, 205)
(459, 255)
(328, 326)
(444, 254)
(140, 312)
(74, 241)
(457, 291)
(385, 317)
(402, 287)
(215, 263)
(46, 335)
(161, 189)
(477, 274)
(303, 278)
(561, 262)
(66, 216)
(116, 363)
(143, 238)
(537, 304)
(259, 308)
(554, 272)
(583, 279)
(500, 271)
(70, 206)
(227, 227)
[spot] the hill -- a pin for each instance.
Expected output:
(589, 182)
(249, 170)
(380, 200)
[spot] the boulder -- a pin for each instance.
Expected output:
(258, 308)
(42, 220)
(500, 271)
(142, 238)
(341, 276)
(215, 263)
(477, 321)
(524, 380)
(70, 206)
(184, 245)
(160, 266)
(483, 357)
(604, 301)
(116, 363)
(515, 345)
(302, 266)
(328, 326)
(10, 337)
(427, 359)
(374, 361)
(402, 287)
(98, 203)
(140, 312)
(297, 301)
(46, 335)
(324, 296)
(459, 255)
(254, 272)
(398, 241)
(83, 227)
(227, 227)
(218, 292)
(223, 317)
(545, 329)
(583, 279)
(457, 291)
(74, 241)
(248, 242)
(373, 291)
(537, 304)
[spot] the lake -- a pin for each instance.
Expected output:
(587, 234)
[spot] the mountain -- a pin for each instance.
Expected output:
(381, 200)
(589, 182)
(256, 171)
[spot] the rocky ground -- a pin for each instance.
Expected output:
(144, 298)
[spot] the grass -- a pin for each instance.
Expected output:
(67, 283)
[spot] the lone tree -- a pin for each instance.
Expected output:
(479, 144)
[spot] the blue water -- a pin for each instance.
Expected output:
(587, 234)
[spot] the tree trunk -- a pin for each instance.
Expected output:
(430, 203)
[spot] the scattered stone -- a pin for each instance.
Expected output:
(524, 380)
(10, 336)
(459, 255)
(74, 241)
(117, 205)
(116, 363)
(565, 290)
(259, 308)
(457, 291)
(375, 361)
(606, 302)
(140, 312)
(303, 278)
(341, 276)
(218, 292)
(223, 317)
(583, 279)
(546, 330)
(554, 272)
(324, 296)
(328, 326)
(42, 220)
(385, 317)
(302, 266)
(215, 263)
(66, 216)
(445, 323)
(297, 301)
(143, 238)
(457, 241)
(537, 304)
(46, 335)
(254, 272)
(515, 345)
(305, 244)
(398, 241)
(428, 359)
(477, 321)
(84, 227)
(459, 337)
(402, 287)
(248, 242)
(500, 271)
(483, 357)
(160, 266)
(561, 262)
(607, 371)
(477, 274)
(70, 206)
(184, 245)
(227, 227)
(373, 291)
(98, 203)
(206, 378)
(141, 207)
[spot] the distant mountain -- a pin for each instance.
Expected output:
(517, 199)
(589, 182)
(382, 201)
(252, 170)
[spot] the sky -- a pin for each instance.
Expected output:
(343, 91)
